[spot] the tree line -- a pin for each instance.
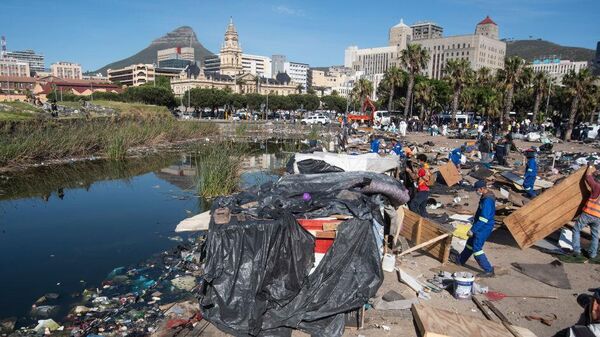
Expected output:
(492, 95)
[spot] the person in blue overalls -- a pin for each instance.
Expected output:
(483, 224)
(531, 171)
(456, 155)
(397, 149)
(375, 144)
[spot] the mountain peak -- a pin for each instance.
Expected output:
(180, 37)
(181, 34)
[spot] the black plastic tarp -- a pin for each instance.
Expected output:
(256, 270)
(311, 166)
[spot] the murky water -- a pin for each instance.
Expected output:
(64, 228)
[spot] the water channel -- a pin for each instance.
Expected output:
(64, 228)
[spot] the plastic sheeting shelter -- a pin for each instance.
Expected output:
(257, 267)
(368, 162)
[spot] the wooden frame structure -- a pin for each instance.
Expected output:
(419, 230)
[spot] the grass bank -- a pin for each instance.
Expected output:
(35, 140)
(17, 111)
(218, 167)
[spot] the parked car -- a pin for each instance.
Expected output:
(315, 119)
(593, 131)
(383, 117)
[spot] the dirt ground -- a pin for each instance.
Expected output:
(501, 250)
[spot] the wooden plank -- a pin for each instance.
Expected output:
(428, 230)
(450, 174)
(400, 221)
(434, 322)
(549, 211)
(424, 244)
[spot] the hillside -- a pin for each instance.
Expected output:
(180, 37)
(531, 49)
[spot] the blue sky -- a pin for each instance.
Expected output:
(97, 32)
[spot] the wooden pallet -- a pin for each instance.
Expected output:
(549, 211)
(418, 230)
(434, 322)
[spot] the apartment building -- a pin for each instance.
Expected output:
(66, 70)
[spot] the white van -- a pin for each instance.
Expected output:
(383, 117)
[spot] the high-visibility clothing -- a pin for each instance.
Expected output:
(592, 207)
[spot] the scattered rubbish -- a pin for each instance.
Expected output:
(548, 320)
(184, 282)
(44, 311)
(409, 280)
(551, 274)
(46, 325)
(389, 262)
(566, 239)
(391, 296)
(404, 304)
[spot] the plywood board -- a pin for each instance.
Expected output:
(434, 322)
(450, 173)
(549, 211)
(518, 179)
(417, 230)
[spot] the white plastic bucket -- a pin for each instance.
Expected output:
(463, 285)
(389, 263)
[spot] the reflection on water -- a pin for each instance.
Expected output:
(63, 228)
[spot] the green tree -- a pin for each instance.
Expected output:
(394, 78)
(510, 77)
(424, 95)
(541, 85)
(413, 59)
(254, 101)
(159, 81)
(150, 95)
(578, 85)
(458, 74)
(362, 89)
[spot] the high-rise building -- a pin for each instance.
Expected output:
(257, 65)
(422, 30)
(66, 70)
(488, 28)
(556, 67)
(12, 67)
(231, 52)
(35, 61)
(400, 35)
(371, 60)
(133, 75)
(179, 57)
(482, 49)
(298, 72)
(253, 64)
(278, 64)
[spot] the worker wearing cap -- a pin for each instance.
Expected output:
(591, 217)
(397, 149)
(375, 142)
(531, 171)
(483, 224)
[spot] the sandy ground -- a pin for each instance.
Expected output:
(501, 250)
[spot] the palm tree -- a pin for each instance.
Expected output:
(541, 83)
(458, 74)
(363, 88)
(483, 76)
(578, 85)
(424, 93)
(414, 58)
(510, 77)
(394, 78)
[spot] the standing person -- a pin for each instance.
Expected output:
(589, 217)
(485, 147)
(422, 179)
(531, 171)
(375, 144)
(445, 129)
(480, 130)
(397, 149)
(402, 128)
(483, 224)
